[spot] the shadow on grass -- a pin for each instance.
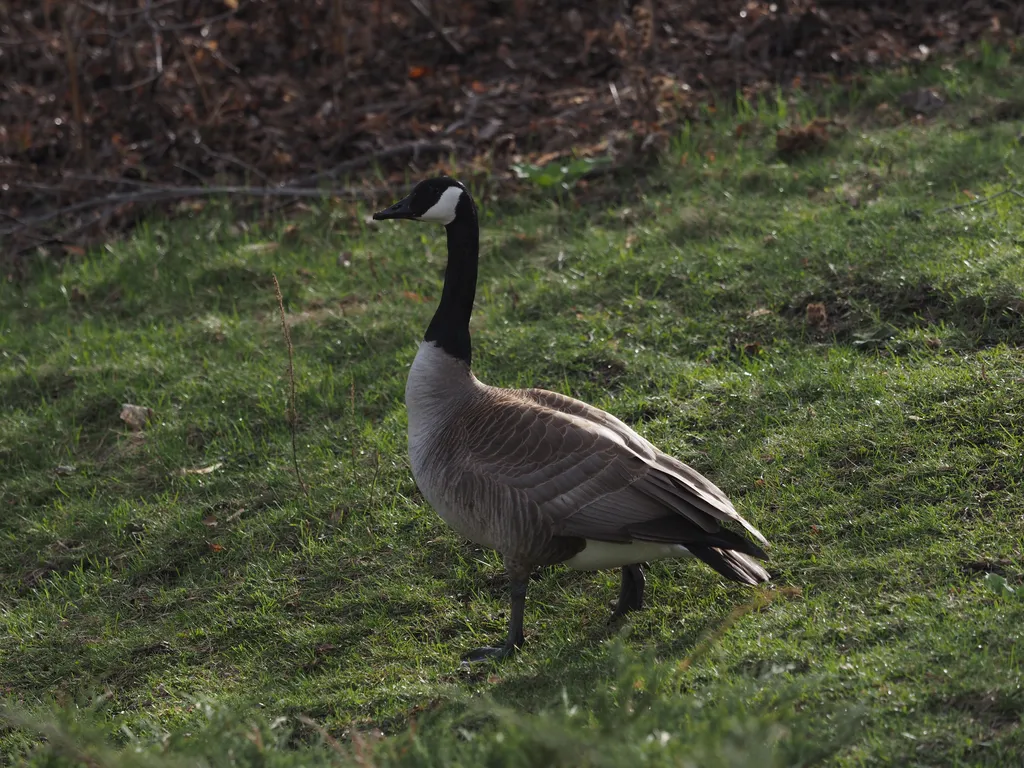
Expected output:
(25, 391)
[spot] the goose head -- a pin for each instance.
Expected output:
(437, 200)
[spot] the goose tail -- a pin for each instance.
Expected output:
(733, 565)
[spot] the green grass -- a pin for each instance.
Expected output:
(882, 455)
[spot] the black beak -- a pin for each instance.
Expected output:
(399, 210)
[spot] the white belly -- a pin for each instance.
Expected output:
(598, 555)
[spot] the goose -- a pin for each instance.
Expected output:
(541, 477)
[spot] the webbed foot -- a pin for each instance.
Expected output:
(491, 653)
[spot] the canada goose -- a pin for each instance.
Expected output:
(541, 477)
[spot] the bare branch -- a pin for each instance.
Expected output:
(422, 11)
(158, 194)
(157, 38)
(240, 163)
(71, 57)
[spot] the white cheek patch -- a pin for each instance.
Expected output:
(443, 211)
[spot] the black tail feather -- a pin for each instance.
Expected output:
(733, 565)
(676, 529)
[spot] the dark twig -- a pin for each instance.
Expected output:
(292, 413)
(240, 163)
(110, 12)
(376, 472)
(156, 194)
(157, 38)
(185, 169)
(413, 148)
(15, 219)
(195, 72)
(207, 21)
(23, 226)
(979, 201)
(138, 83)
(437, 27)
(71, 57)
(62, 238)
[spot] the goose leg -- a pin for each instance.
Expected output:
(631, 594)
(515, 638)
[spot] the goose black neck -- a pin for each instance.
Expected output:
(449, 328)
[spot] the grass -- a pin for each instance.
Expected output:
(173, 591)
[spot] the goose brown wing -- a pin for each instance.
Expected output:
(588, 474)
(674, 477)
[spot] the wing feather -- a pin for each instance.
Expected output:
(591, 476)
(688, 483)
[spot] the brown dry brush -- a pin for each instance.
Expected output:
(238, 92)
(250, 87)
(135, 82)
(178, 91)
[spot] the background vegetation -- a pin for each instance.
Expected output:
(822, 334)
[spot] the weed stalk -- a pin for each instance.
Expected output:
(292, 413)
